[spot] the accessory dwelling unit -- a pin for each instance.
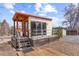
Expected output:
(30, 29)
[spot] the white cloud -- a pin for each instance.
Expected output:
(12, 11)
(23, 11)
(43, 9)
(75, 4)
(58, 21)
(38, 6)
(9, 5)
(42, 14)
(49, 8)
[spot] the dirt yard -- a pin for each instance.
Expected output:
(7, 50)
(68, 48)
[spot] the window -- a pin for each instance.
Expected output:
(33, 28)
(38, 24)
(38, 28)
(44, 25)
(33, 25)
(44, 28)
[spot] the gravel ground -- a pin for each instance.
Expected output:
(7, 50)
(68, 48)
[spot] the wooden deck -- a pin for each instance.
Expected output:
(41, 52)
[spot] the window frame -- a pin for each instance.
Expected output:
(38, 30)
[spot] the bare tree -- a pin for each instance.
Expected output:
(69, 15)
(77, 16)
(72, 16)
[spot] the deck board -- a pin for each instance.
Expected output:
(42, 52)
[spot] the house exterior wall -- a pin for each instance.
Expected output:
(48, 27)
(29, 27)
(41, 39)
(63, 32)
(59, 32)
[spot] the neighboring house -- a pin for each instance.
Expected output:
(4, 28)
(71, 31)
(36, 27)
(59, 31)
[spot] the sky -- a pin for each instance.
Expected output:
(52, 10)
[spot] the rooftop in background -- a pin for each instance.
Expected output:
(24, 15)
(59, 28)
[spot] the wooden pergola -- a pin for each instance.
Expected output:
(19, 17)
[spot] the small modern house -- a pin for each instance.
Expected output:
(36, 28)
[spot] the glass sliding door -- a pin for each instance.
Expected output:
(44, 28)
(38, 28)
(33, 29)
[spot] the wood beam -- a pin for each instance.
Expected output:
(17, 25)
(14, 28)
(24, 28)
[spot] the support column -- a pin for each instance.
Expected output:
(29, 28)
(24, 28)
(17, 25)
(14, 28)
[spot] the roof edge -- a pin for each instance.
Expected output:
(28, 15)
